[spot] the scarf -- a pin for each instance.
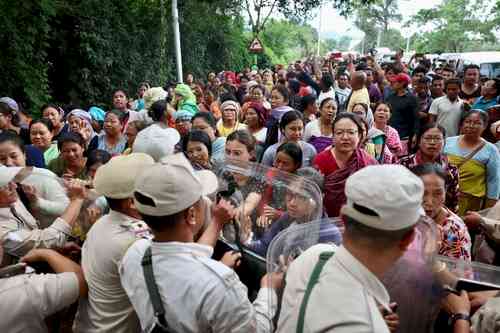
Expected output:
(334, 190)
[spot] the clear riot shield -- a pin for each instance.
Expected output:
(409, 283)
(268, 201)
(469, 276)
(286, 248)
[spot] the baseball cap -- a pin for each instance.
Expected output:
(16, 174)
(116, 179)
(392, 192)
(156, 141)
(171, 186)
(401, 77)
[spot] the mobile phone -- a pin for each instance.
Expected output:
(471, 285)
(13, 270)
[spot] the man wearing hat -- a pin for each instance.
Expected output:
(340, 289)
(19, 230)
(107, 307)
(404, 107)
(173, 282)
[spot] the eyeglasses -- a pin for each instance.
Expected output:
(432, 139)
(290, 195)
(347, 132)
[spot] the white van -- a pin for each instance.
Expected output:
(488, 62)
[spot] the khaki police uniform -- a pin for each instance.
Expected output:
(347, 293)
(26, 300)
(20, 232)
(199, 294)
(107, 307)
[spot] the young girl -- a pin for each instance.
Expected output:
(291, 127)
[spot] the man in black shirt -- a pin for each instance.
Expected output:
(404, 110)
(470, 88)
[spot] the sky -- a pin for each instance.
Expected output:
(333, 22)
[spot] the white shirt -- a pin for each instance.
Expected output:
(313, 129)
(199, 294)
(29, 298)
(107, 307)
(343, 301)
(448, 114)
(51, 196)
(260, 136)
(323, 95)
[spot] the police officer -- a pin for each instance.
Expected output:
(194, 292)
(27, 299)
(340, 289)
(107, 307)
(19, 230)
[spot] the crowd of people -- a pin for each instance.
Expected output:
(125, 207)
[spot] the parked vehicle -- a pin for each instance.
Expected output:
(488, 62)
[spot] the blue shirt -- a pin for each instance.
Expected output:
(328, 233)
(483, 104)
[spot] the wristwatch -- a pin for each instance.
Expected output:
(458, 316)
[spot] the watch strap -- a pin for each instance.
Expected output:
(458, 316)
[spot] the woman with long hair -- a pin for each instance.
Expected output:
(291, 127)
(319, 132)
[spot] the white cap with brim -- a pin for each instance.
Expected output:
(16, 174)
(171, 186)
(116, 179)
(392, 192)
(157, 142)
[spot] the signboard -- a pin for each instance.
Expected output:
(255, 46)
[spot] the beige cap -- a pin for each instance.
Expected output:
(392, 192)
(156, 141)
(116, 179)
(171, 186)
(16, 174)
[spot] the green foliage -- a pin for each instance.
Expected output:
(79, 52)
(24, 36)
(285, 41)
(376, 16)
(457, 26)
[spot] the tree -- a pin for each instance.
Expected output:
(374, 18)
(259, 11)
(456, 25)
(286, 41)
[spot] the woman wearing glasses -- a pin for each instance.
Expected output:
(430, 142)
(478, 163)
(342, 160)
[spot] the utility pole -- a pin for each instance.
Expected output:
(177, 40)
(163, 41)
(318, 50)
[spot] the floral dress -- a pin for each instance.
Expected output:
(455, 241)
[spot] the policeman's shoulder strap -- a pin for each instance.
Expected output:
(154, 295)
(313, 279)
